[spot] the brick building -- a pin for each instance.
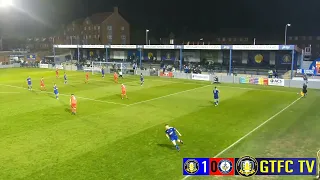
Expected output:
(100, 28)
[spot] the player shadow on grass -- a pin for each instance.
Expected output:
(93, 84)
(50, 95)
(168, 146)
(210, 103)
(34, 91)
(135, 84)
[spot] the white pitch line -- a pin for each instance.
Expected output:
(249, 133)
(109, 102)
(140, 102)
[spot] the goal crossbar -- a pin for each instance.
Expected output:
(96, 67)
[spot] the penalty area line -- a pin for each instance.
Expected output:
(252, 131)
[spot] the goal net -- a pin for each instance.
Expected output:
(110, 67)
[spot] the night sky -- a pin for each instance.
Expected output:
(260, 18)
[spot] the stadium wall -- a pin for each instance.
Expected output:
(294, 83)
(223, 78)
(15, 65)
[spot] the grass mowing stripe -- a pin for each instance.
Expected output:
(218, 85)
(10, 92)
(249, 133)
(167, 95)
(124, 105)
(109, 102)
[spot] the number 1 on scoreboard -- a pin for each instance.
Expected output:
(196, 166)
(204, 166)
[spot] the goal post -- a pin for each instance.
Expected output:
(110, 67)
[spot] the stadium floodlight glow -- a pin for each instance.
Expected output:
(6, 3)
(285, 33)
(147, 30)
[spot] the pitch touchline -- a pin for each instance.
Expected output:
(219, 85)
(249, 133)
(109, 102)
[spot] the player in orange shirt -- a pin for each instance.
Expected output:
(42, 86)
(57, 73)
(73, 104)
(123, 91)
(115, 77)
(87, 78)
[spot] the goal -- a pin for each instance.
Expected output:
(111, 67)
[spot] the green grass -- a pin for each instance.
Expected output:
(114, 139)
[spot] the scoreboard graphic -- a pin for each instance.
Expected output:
(249, 166)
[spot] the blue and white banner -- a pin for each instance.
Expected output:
(306, 71)
(198, 47)
(255, 47)
(286, 47)
(92, 46)
(123, 46)
(158, 47)
(31, 57)
(202, 77)
(216, 47)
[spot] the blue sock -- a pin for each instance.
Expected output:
(177, 147)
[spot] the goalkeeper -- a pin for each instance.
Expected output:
(120, 74)
(304, 90)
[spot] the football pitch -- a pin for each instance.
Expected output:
(111, 138)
